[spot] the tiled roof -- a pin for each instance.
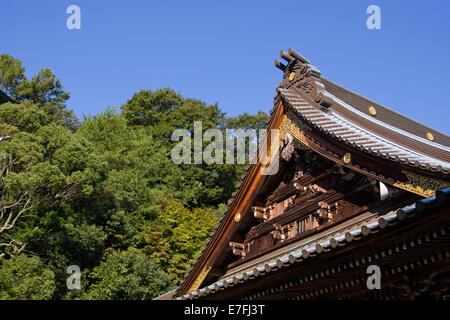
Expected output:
(330, 242)
(386, 115)
(354, 135)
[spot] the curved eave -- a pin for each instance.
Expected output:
(383, 114)
(358, 137)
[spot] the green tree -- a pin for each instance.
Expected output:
(104, 194)
(246, 121)
(173, 240)
(25, 278)
(148, 108)
(43, 90)
(127, 275)
(11, 75)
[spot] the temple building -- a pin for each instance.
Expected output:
(360, 188)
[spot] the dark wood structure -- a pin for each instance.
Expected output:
(358, 185)
(4, 98)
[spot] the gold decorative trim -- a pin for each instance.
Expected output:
(291, 76)
(430, 136)
(292, 126)
(198, 281)
(347, 158)
(372, 111)
(421, 185)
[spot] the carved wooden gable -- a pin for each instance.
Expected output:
(341, 155)
(311, 192)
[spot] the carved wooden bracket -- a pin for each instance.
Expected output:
(311, 189)
(262, 213)
(282, 232)
(323, 214)
(240, 249)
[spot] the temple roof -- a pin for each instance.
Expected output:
(383, 114)
(352, 121)
(358, 121)
(371, 135)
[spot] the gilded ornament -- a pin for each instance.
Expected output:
(347, 158)
(291, 76)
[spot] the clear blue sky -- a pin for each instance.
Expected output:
(223, 51)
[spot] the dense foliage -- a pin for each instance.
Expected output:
(102, 193)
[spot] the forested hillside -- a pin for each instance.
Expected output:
(102, 192)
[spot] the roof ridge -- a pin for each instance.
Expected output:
(371, 135)
(380, 105)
